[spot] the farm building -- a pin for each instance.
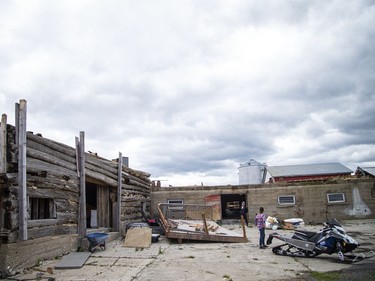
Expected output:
(365, 171)
(52, 195)
(290, 173)
(313, 201)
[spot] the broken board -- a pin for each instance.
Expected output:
(73, 260)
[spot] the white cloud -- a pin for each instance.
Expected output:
(190, 89)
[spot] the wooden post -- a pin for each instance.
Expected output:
(82, 228)
(205, 223)
(119, 188)
(3, 160)
(77, 156)
(22, 194)
(163, 220)
(243, 226)
(3, 143)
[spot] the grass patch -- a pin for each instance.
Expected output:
(325, 276)
(227, 277)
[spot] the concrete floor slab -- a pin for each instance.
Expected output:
(168, 260)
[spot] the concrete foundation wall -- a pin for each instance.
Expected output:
(311, 202)
(17, 256)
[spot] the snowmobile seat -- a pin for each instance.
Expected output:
(305, 233)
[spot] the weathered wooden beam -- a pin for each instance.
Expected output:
(36, 166)
(63, 206)
(64, 183)
(133, 186)
(41, 223)
(3, 144)
(99, 170)
(114, 163)
(136, 172)
(37, 146)
(52, 231)
(53, 193)
(98, 162)
(137, 181)
(77, 156)
(48, 158)
(119, 188)
(82, 228)
(65, 149)
(105, 180)
(129, 194)
(21, 137)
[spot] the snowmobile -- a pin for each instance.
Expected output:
(329, 240)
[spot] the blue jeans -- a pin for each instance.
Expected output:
(262, 235)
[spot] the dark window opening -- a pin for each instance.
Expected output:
(91, 205)
(42, 208)
(174, 203)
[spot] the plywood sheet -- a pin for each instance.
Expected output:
(215, 202)
(73, 260)
(138, 237)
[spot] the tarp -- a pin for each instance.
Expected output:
(293, 223)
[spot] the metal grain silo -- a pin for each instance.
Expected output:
(251, 172)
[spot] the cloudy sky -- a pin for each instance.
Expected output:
(189, 90)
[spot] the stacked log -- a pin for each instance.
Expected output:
(9, 189)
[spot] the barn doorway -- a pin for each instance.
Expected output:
(98, 206)
(231, 205)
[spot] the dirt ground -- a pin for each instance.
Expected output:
(169, 261)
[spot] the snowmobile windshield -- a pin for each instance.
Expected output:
(334, 222)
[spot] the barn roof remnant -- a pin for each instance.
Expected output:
(309, 169)
(365, 171)
(307, 172)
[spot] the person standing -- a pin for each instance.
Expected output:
(243, 212)
(260, 222)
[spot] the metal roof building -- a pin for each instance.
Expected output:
(365, 171)
(307, 172)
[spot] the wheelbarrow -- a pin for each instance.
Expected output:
(97, 240)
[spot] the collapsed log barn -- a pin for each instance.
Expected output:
(51, 195)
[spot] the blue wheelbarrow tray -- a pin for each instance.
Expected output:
(97, 240)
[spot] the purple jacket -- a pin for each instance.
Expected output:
(260, 221)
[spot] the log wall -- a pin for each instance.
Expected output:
(51, 173)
